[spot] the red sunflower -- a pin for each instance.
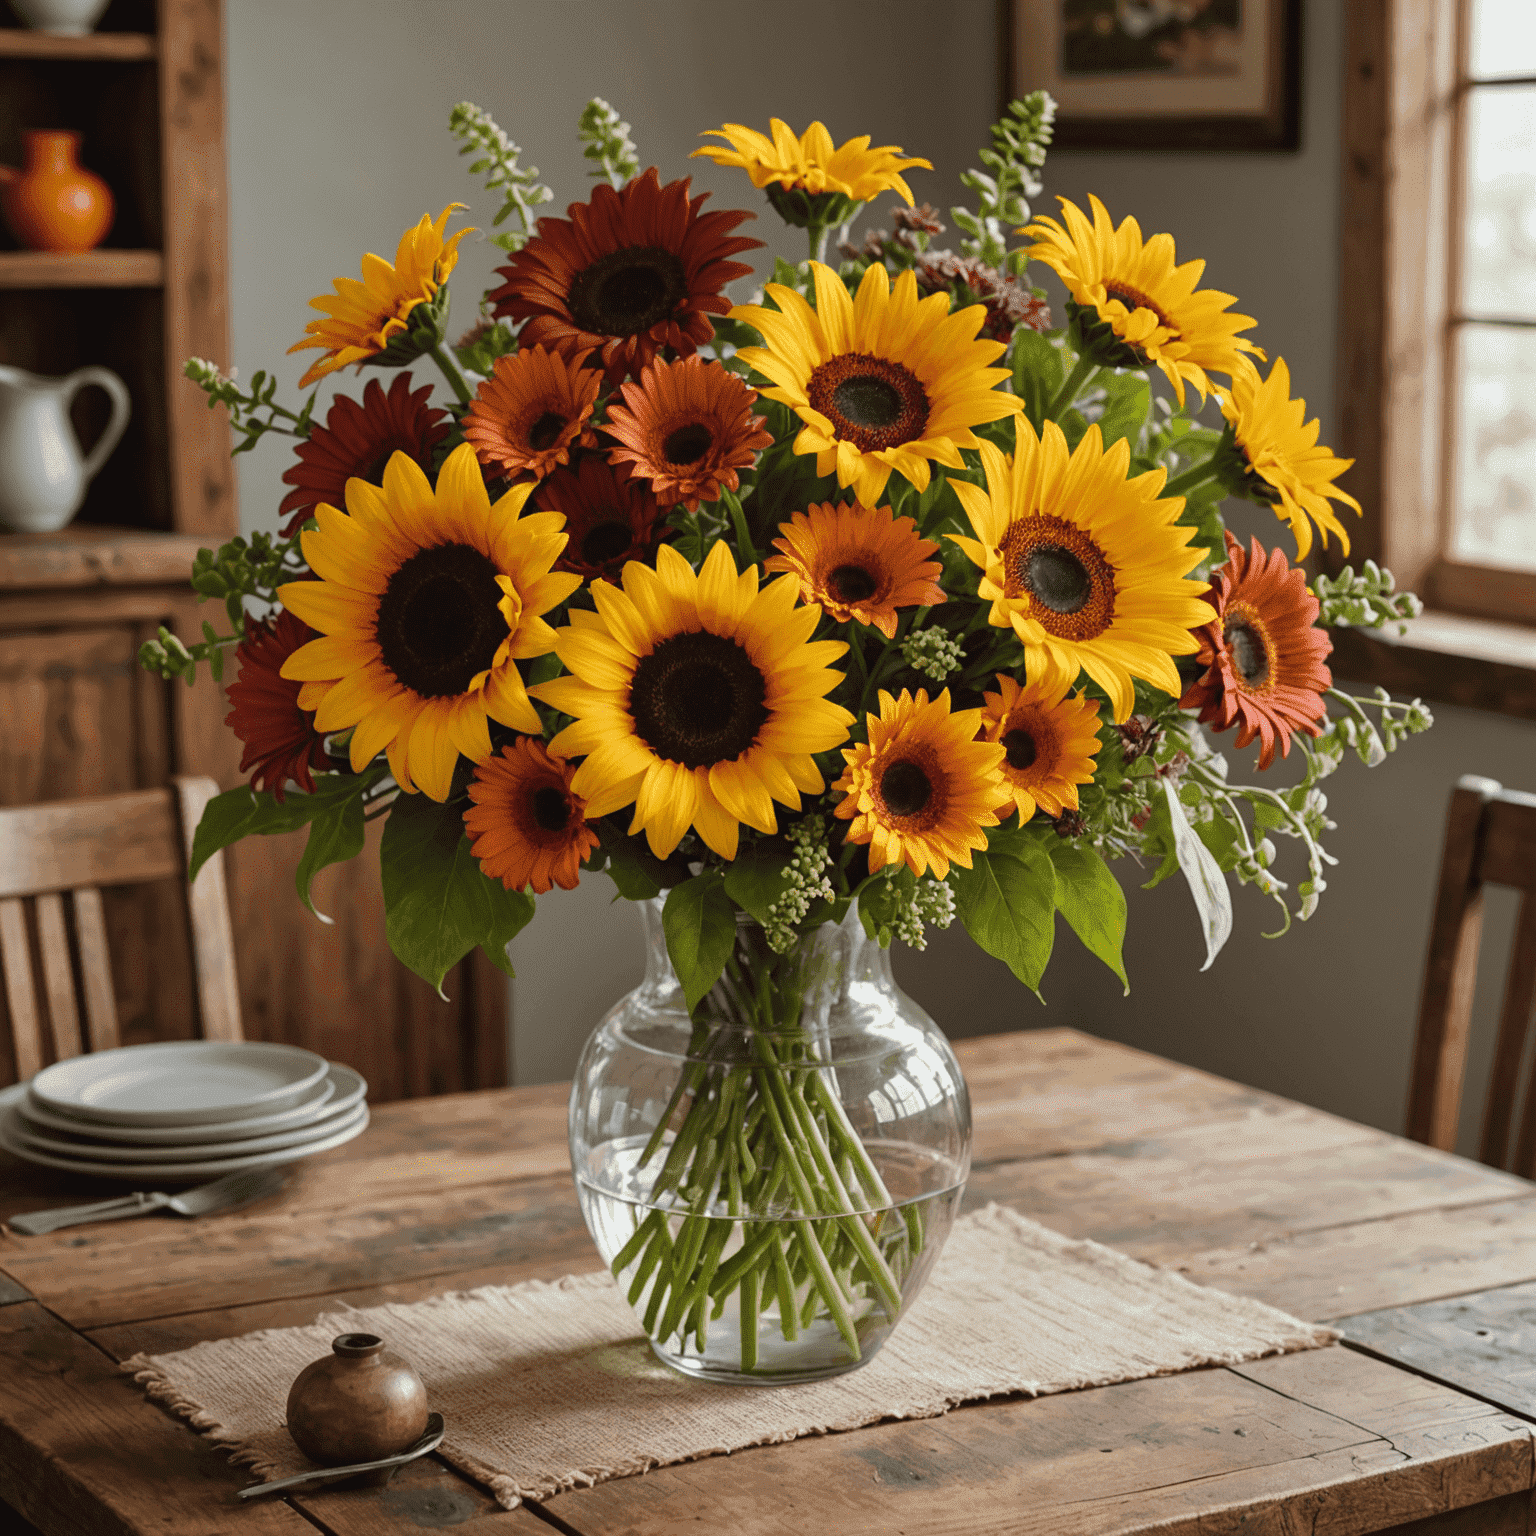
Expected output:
(631, 272)
(526, 827)
(532, 412)
(281, 742)
(356, 442)
(1264, 656)
(610, 517)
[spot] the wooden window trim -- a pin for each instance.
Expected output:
(1397, 251)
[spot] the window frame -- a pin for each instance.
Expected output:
(1404, 109)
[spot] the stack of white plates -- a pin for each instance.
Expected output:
(182, 1109)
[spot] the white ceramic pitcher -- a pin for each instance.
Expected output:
(43, 473)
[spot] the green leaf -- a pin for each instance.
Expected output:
(335, 835)
(757, 878)
(1007, 902)
(511, 912)
(1090, 898)
(881, 898)
(700, 924)
(1125, 408)
(1037, 372)
(245, 812)
(437, 904)
(1207, 884)
(631, 865)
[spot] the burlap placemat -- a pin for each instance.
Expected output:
(551, 1386)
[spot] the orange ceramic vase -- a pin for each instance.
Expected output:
(55, 204)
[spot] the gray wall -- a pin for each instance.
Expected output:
(337, 142)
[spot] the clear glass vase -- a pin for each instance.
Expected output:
(771, 1180)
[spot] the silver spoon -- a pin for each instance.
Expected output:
(430, 1441)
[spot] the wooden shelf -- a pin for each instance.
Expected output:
(93, 556)
(103, 47)
(88, 269)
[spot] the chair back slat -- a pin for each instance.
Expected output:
(96, 970)
(1490, 839)
(58, 976)
(20, 1000)
(72, 848)
(213, 939)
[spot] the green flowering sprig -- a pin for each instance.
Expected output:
(1011, 177)
(1367, 601)
(521, 189)
(933, 652)
(245, 406)
(605, 136)
(806, 883)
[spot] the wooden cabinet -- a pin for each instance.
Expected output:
(77, 716)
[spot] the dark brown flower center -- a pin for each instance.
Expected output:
(871, 402)
(1020, 747)
(1249, 653)
(628, 290)
(1055, 577)
(606, 541)
(1064, 573)
(438, 622)
(545, 432)
(851, 584)
(1134, 299)
(551, 808)
(697, 699)
(689, 444)
(905, 788)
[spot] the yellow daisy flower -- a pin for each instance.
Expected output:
(1050, 741)
(427, 599)
(1087, 566)
(362, 318)
(811, 163)
(1283, 467)
(922, 789)
(883, 382)
(1149, 309)
(697, 697)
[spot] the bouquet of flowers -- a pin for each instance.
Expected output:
(880, 592)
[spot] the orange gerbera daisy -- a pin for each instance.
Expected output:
(1050, 741)
(922, 788)
(281, 742)
(631, 272)
(526, 827)
(531, 412)
(356, 443)
(610, 517)
(859, 564)
(688, 428)
(1264, 656)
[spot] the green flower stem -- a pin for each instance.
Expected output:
(816, 235)
(451, 372)
(1193, 477)
(1071, 386)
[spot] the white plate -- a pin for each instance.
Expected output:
(105, 1152)
(342, 1089)
(180, 1082)
(151, 1175)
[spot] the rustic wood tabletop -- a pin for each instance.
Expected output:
(1422, 1421)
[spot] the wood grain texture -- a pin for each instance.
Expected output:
(1484, 1343)
(20, 997)
(101, 840)
(425, 1495)
(89, 555)
(116, 47)
(96, 970)
(58, 976)
(1509, 1049)
(88, 269)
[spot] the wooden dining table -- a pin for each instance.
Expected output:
(1422, 1420)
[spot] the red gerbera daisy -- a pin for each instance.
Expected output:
(526, 827)
(609, 517)
(1264, 655)
(625, 275)
(281, 742)
(356, 442)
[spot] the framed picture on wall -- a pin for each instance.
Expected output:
(1162, 74)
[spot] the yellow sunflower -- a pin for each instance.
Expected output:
(697, 697)
(426, 600)
(883, 382)
(858, 563)
(811, 163)
(362, 318)
(1050, 741)
(1087, 566)
(1149, 309)
(1282, 466)
(922, 789)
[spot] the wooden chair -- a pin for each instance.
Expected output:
(74, 848)
(1490, 839)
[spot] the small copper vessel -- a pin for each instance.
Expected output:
(360, 1403)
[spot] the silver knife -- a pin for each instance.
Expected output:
(223, 1194)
